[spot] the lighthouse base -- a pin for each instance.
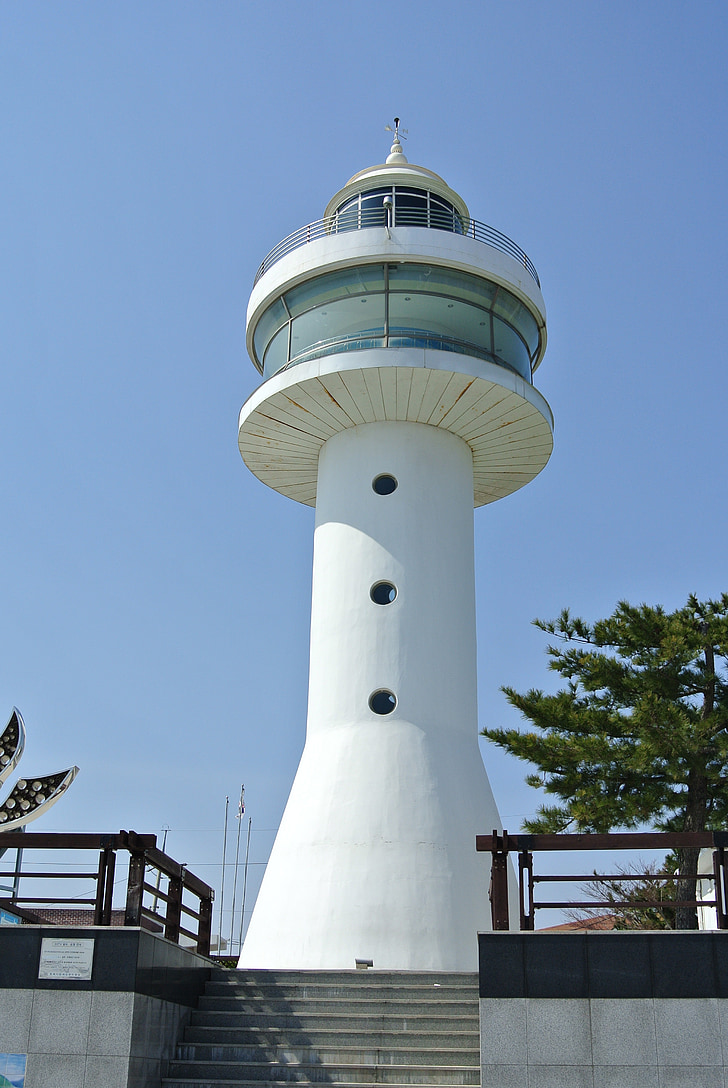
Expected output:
(400, 885)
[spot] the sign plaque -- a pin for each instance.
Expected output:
(66, 958)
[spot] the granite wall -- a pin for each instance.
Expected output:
(604, 1010)
(116, 1030)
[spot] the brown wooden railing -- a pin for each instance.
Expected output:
(144, 857)
(499, 846)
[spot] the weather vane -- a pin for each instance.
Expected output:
(28, 797)
(397, 130)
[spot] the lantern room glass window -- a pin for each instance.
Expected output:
(397, 305)
(410, 208)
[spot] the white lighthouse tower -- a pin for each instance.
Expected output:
(397, 339)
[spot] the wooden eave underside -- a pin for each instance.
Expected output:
(510, 438)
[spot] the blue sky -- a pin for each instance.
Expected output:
(155, 595)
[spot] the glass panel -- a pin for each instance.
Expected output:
(276, 355)
(347, 281)
(510, 348)
(410, 208)
(422, 277)
(443, 216)
(347, 217)
(509, 307)
(271, 320)
(373, 213)
(428, 315)
(473, 326)
(361, 317)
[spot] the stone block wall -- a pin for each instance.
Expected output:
(604, 1010)
(117, 1030)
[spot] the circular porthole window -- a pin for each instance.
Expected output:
(383, 592)
(384, 484)
(382, 701)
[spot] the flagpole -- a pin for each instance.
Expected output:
(222, 879)
(239, 818)
(155, 901)
(245, 884)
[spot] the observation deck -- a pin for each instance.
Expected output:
(435, 219)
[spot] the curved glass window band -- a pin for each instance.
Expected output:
(358, 316)
(427, 306)
(276, 354)
(363, 280)
(273, 318)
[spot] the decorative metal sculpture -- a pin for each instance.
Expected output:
(32, 796)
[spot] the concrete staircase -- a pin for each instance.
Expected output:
(341, 1028)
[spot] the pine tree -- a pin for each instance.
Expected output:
(639, 735)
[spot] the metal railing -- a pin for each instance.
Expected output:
(324, 228)
(143, 857)
(402, 338)
(500, 845)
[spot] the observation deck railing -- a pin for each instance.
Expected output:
(144, 857)
(438, 220)
(500, 845)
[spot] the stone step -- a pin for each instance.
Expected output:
(274, 1037)
(196, 1082)
(281, 1072)
(435, 991)
(330, 1054)
(343, 978)
(404, 1021)
(267, 1029)
(369, 1005)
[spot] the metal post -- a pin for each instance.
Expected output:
(18, 867)
(245, 884)
(222, 877)
(159, 872)
(239, 818)
(16, 875)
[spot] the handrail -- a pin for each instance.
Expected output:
(143, 855)
(419, 337)
(471, 228)
(500, 845)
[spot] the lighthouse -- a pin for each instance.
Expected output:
(397, 339)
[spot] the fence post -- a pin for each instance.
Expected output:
(719, 874)
(109, 889)
(134, 890)
(174, 907)
(499, 882)
(204, 930)
(100, 886)
(525, 873)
